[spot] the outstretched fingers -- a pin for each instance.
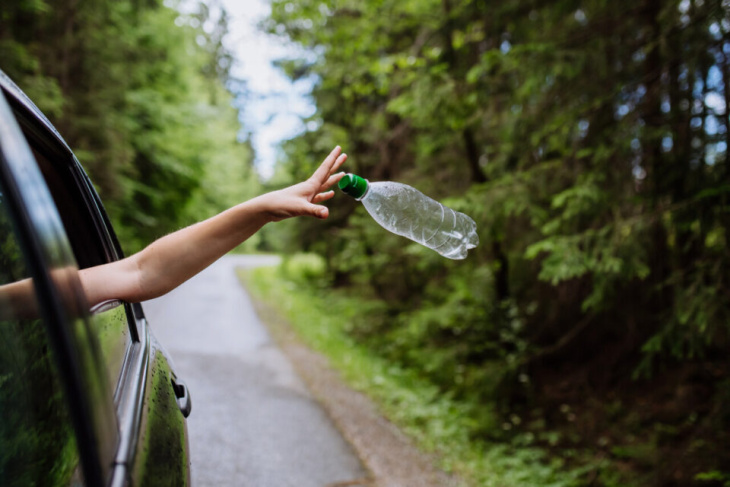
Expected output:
(319, 198)
(338, 162)
(325, 169)
(330, 178)
(325, 178)
(331, 181)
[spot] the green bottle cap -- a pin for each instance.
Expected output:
(353, 185)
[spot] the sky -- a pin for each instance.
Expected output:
(273, 108)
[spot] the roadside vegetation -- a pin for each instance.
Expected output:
(585, 341)
(590, 143)
(438, 423)
(140, 92)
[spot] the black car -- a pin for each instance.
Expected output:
(87, 396)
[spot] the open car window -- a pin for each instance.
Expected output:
(86, 232)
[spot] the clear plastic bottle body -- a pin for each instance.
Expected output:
(406, 211)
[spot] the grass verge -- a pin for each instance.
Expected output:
(436, 423)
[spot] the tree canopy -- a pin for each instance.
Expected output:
(589, 140)
(138, 89)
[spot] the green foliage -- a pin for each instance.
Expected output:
(714, 476)
(138, 92)
(588, 140)
(37, 443)
(305, 270)
(439, 423)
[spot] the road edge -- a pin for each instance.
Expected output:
(387, 453)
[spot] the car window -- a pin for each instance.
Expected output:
(86, 232)
(79, 221)
(37, 442)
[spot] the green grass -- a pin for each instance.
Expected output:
(435, 422)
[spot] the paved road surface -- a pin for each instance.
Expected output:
(253, 421)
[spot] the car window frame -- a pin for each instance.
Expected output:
(59, 294)
(127, 401)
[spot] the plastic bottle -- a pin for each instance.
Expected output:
(406, 211)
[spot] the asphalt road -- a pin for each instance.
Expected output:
(253, 421)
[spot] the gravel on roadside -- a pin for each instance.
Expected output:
(390, 456)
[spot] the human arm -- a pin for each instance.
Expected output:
(175, 258)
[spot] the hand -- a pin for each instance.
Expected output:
(303, 199)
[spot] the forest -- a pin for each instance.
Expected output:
(588, 140)
(142, 94)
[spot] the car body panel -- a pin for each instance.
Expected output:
(118, 383)
(58, 287)
(161, 454)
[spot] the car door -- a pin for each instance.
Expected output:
(122, 397)
(39, 444)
